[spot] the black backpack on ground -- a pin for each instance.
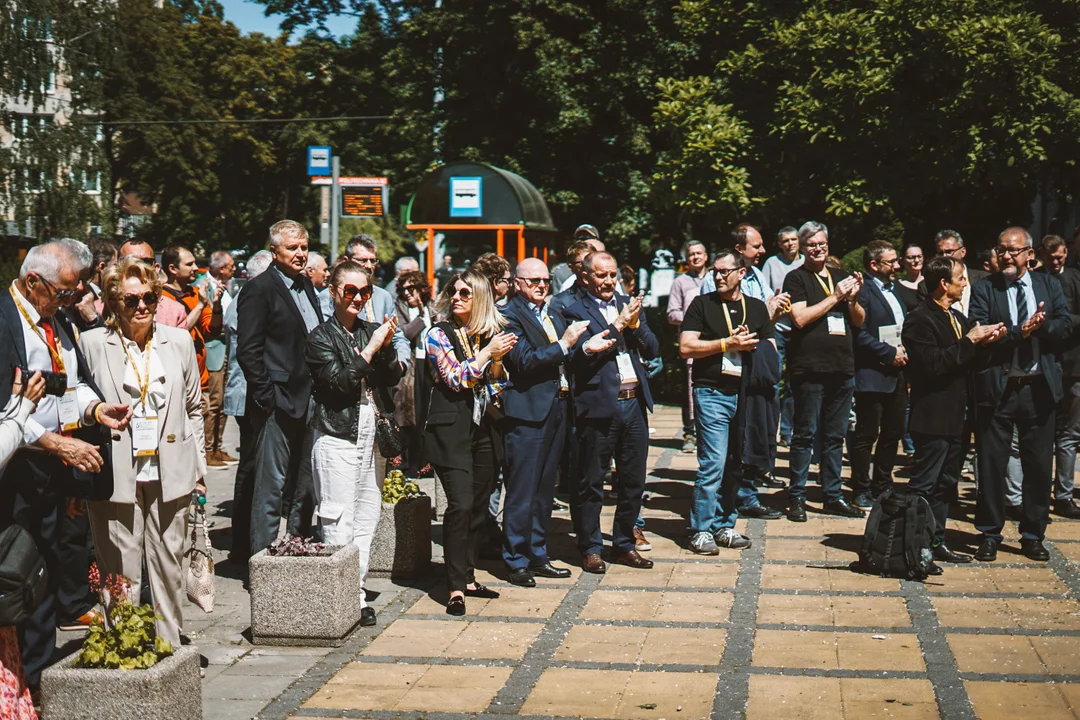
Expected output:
(23, 578)
(898, 537)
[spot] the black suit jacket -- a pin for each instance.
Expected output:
(1069, 349)
(596, 377)
(939, 369)
(270, 344)
(874, 371)
(990, 305)
(561, 301)
(13, 353)
(533, 363)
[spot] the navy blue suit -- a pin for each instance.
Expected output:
(608, 426)
(880, 391)
(560, 301)
(535, 429)
(1027, 404)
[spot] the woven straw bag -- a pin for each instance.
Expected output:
(200, 574)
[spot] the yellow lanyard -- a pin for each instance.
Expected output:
(144, 379)
(370, 312)
(955, 324)
(57, 356)
(463, 337)
(830, 288)
(727, 315)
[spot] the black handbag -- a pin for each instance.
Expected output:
(23, 577)
(387, 433)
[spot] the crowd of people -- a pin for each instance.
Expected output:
(507, 388)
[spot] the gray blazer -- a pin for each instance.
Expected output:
(181, 457)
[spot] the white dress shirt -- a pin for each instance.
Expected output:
(1032, 306)
(610, 310)
(146, 468)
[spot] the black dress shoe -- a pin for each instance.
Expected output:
(522, 578)
(481, 592)
(1035, 550)
(1067, 509)
(987, 552)
(944, 554)
(768, 480)
(841, 508)
(934, 569)
(456, 606)
(797, 511)
(547, 570)
(863, 500)
(367, 617)
(759, 511)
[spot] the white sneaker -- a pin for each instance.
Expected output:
(703, 544)
(729, 538)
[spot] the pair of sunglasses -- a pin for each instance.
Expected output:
(150, 299)
(463, 293)
(351, 291)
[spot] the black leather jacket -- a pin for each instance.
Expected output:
(338, 372)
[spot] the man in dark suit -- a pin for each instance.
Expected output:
(1018, 389)
(880, 385)
(64, 434)
(611, 397)
(275, 313)
(943, 350)
(949, 243)
(537, 409)
(1067, 415)
(575, 255)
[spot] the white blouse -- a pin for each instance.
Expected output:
(146, 468)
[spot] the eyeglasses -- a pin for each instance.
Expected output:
(535, 282)
(410, 288)
(1011, 252)
(815, 246)
(364, 261)
(61, 295)
(351, 291)
(149, 298)
(722, 274)
(502, 281)
(463, 293)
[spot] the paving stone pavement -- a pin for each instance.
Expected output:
(783, 629)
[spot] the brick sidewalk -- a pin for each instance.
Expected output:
(783, 629)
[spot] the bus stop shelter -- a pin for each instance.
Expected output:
(475, 197)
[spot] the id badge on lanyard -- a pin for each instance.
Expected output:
(68, 410)
(731, 363)
(626, 368)
(836, 325)
(144, 437)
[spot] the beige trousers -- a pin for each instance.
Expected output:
(213, 411)
(124, 534)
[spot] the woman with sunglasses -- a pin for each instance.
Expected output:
(465, 352)
(352, 362)
(412, 393)
(911, 265)
(158, 461)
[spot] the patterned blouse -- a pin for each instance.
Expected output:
(460, 376)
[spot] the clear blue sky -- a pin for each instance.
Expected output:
(249, 17)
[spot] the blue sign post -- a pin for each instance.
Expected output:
(318, 159)
(466, 197)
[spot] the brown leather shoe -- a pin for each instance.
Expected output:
(593, 563)
(632, 559)
(226, 458)
(213, 461)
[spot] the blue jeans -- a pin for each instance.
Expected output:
(715, 492)
(822, 400)
(787, 402)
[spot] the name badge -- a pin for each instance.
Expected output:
(626, 368)
(890, 335)
(732, 363)
(836, 324)
(144, 437)
(68, 410)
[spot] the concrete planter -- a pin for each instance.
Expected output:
(305, 601)
(169, 690)
(401, 547)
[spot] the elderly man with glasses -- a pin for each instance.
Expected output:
(950, 244)
(363, 250)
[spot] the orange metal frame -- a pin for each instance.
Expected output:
(499, 247)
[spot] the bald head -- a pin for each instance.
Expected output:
(532, 280)
(1015, 235)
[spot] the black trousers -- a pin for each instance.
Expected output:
(243, 491)
(879, 417)
(1030, 409)
(467, 495)
(284, 487)
(30, 496)
(625, 436)
(532, 460)
(935, 474)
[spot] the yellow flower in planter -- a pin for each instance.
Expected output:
(397, 487)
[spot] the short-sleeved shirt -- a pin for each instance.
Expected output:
(706, 316)
(813, 349)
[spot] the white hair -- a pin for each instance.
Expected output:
(811, 228)
(313, 258)
(403, 262)
(218, 260)
(46, 261)
(258, 263)
(80, 253)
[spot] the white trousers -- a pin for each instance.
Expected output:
(349, 496)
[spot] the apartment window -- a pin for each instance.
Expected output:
(89, 181)
(27, 126)
(29, 179)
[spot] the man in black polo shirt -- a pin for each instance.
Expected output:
(821, 368)
(719, 331)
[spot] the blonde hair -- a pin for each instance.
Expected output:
(485, 320)
(283, 229)
(112, 286)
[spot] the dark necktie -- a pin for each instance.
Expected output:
(1025, 353)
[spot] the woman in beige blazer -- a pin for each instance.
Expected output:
(158, 461)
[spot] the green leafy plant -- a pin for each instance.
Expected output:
(124, 636)
(397, 488)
